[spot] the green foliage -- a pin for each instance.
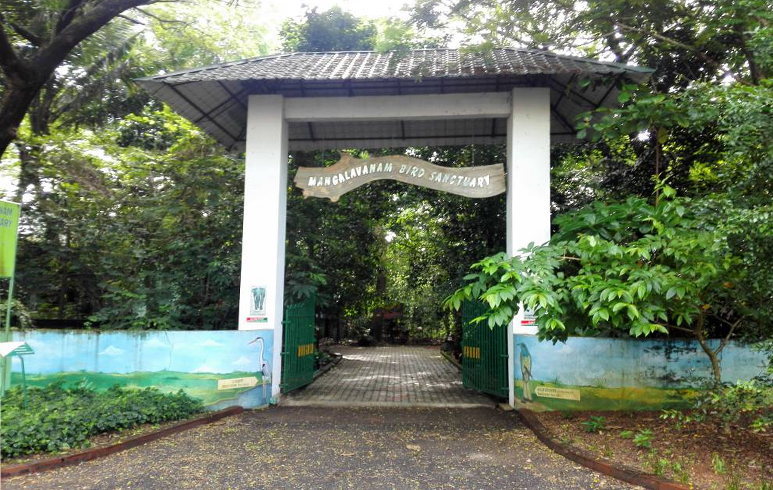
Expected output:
(682, 40)
(595, 424)
(679, 417)
(199, 33)
(145, 235)
(57, 419)
(731, 124)
(21, 316)
(630, 268)
(643, 439)
(718, 464)
(743, 405)
(332, 30)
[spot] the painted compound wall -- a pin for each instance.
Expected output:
(612, 374)
(221, 368)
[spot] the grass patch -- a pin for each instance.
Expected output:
(58, 418)
(595, 398)
(199, 385)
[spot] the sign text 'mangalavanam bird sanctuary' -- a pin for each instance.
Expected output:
(349, 173)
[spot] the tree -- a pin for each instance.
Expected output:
(332, 30)
(682, 40)
(140, 227)
(35, 40)
(685, 42)
(634, 269)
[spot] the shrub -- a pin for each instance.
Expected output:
(643, 439)
(595, 424)
(57, 419)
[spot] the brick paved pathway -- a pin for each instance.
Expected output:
(389, 376)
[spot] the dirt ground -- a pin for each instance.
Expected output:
(701, 454)
(307, 447)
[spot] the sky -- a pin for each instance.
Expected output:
(359, 8)
(223, 351)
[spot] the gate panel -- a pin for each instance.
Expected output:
(298, 345)
(484, 353)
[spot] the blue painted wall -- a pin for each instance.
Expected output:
(617, 374)
(169, 360)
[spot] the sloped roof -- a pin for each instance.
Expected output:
(425, 63)
(215, 97)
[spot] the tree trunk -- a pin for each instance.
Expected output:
(716, 367)
(16, 101)
(29, 171)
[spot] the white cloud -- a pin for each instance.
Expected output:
(111, 351)
(203, 369)
(211, 343)
(155, 342)
(244, 362)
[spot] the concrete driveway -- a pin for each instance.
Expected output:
(337, 448)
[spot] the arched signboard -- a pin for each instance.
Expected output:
(349, 173)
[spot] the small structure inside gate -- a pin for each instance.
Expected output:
(270, 105)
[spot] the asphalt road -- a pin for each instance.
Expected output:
(336, 448)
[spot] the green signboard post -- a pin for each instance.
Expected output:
(9, 226)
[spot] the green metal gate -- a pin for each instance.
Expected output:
(484, 353)
(298, 345)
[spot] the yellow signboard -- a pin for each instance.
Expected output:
(9, 224)
(230, 384)
(561, 393)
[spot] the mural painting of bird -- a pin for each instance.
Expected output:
(525, 359)
(265, 367)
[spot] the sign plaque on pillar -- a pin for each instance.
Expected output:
(257, 305)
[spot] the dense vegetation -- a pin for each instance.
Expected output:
(132, 216)
(684, 259)
(56, 419)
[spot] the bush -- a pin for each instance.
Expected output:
(743, 405)
(57, 419)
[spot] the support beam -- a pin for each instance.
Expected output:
(403, 107)
(263, 233)
(528, 185)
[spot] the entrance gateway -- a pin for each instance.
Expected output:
(270, 105)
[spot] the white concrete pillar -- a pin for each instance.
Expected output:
(263, 232)
(528, 185)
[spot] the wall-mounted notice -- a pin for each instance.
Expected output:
(349, 173)
(257, 305)
(559, 393)
(233, 383)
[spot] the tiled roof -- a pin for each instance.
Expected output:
(424, 63)
(216, 97)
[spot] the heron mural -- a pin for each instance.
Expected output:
(525, 359)
(265, 367)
